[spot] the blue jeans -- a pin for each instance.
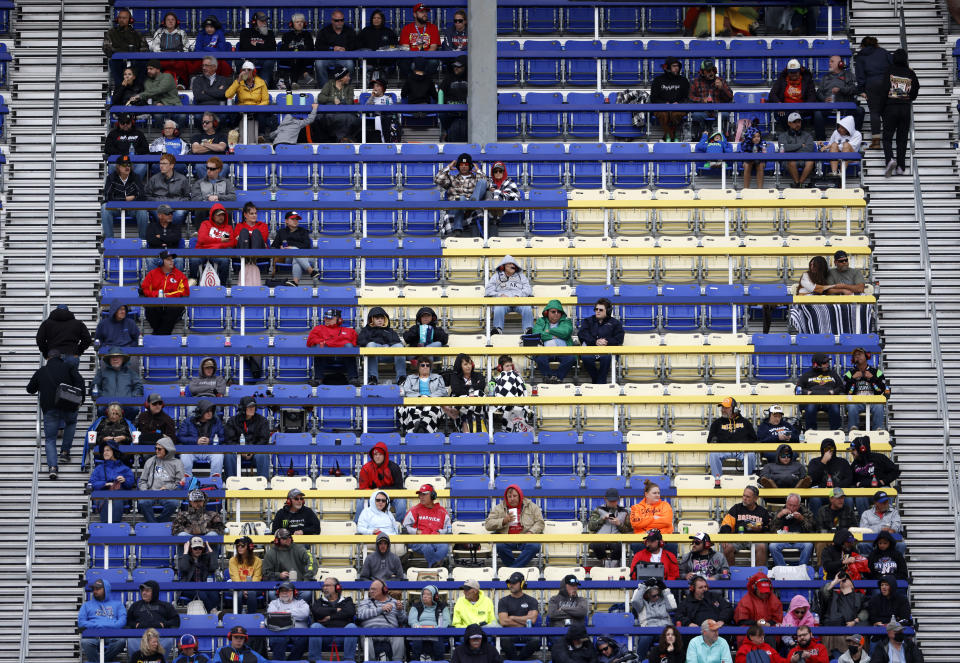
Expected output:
(373, 365)
(699, 120)
(215, 460)
(90, 647)
(479, 192)
(644, 642)
(432, 647)
(169, 507)
(717, 458)
(303, 265)
(210, 598)
(877, 417)
(566, 363)
(500, 313)
(109, 217)
(865, 548)
(52, 421)
(323, 365)
(324, 69)
(598, 366)
(279, 644)
(776, 551)
(347, 646)
(527, 552)
(260, 461)
(434, 553)
(810, 414)
(117, 507)
(153, 263)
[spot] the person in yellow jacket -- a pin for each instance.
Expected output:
(246, 567)
(473, 607)
(251, 90)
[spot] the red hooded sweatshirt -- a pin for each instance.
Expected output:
(387, 475)
(332, 337)
(259, 225)
(753, 607)
(671, 569)
(748, 647)
(817, 650)
(210, 235)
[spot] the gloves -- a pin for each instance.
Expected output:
(661, 584)
(652, 582)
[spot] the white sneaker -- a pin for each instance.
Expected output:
(891, 165)
(901, 171)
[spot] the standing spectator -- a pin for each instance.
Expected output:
(208, 383)
(339, 37)
(428, 518)
(123, 186)
(746, 517)
(462, 180)
(651, 513)
(115, 379)
(731, 427)
(600, 329)
(294, 74)
(795, 85)
(653, 602)
(845, 138)
(669, 649)
(793, 138)
(429, 612)
(422, 384)
(162, 471)
(872, 66)
(209, 89)
(379, 334)
(567, 607)
(794, 517)
(333, 610)
(509, 280)
(57, 412)
(707, 88)
(420, 35)
(820, 380)
(575, 647)
(555, 330)
(259, 37)
(426, 332)
(342, 127)
(759, 605)
(252, 90)
(897, 647)
(376, 517)
(214, 188)
(292, 237)
(122, 38)
(149, 612)
(168, 185)
(286, 560)
(254, 428)
(128, 89)
(881, 518)
(380, 610)
(112, 474)
(861, 379)
(381, 563)
(101, 611)
(653, 552)
(700, 603)
(153, 423)
(785, 471)
(842, 606)
(753, 143)
(245, 566)
(203, 428)
(162, 234)
(296, 516)
(455, 37)
(289, 602)
(807, 650)
(846, 279)
(608, 518)
(755, 646)
(839, 84)
(709, 647)
(902, 89)
(453, 126)
(670, 87)
(166, 281)
(171, 38)
(126, 139)
(332, 334)
(516, 514)
(212, 39)
(237, 648)
(374, 37)
(198, 563)
(516, 610)
(61, 331)
(703, 561)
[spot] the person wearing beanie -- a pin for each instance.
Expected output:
(153, 423)
(430, 611)
(902, 89)
(828, 470)
(871, 64)
(101, 610)
(56, 413)
(670, 87)
(123, 38)
(162, 471)
(339, 91)
(294, 74)
(203, 427)
(160, 89)
(462, 180)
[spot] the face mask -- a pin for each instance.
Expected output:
(899, 637)
(853, 649)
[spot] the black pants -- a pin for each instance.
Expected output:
(508, 647)
(164, 318)
(896, 120)
(876, 98)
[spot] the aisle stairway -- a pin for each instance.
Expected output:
(61, 516)
(906, 330)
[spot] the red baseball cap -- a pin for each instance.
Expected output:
(420, 7)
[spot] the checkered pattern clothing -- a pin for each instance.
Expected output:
(424, 417)
(509, 384)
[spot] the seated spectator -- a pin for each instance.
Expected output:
(475, 648)
(600, 329)
(702, 604)
(654, 552)
(835, 515)
(147, 648)
(462, 180)
(117, 330)
(289, 647)
(341, 127)
(607, 649)
(455, 37)
(123, 186)
(153, 423)
(670, 87)
(208, 383)
(881, 518)
(429, 612)
(785, 472)
(210, 89)
(376, 517)
(380, 610)
(204, 427)
(840, 85)
(708, 88)
(163, 235)
(731, 427)
(170, 142)
(844, 279)
(291, 237)
(820, 380)
(842, 606)
(160, 89)
(555, 329)
(669, 648)
(793, 138)
(251, 90)
(296, 516)
(259, 37)
(842, 556)
(294, 74)
(793, 517)
(420, 35)
(116, 379)
(209, 140)
(776, 429)
(861, 379)
(500, 186)
(374, 37)
(335, 36)
(567, 607)
(759, 605)
(807, 649)
(382, 127)
(381, 563)
(215, 233)
(509, 280)
(428, 518)
(422, 384)
(516, 514)
(150, 613)
(288, 131)
(122, 38)
(170, 38)
(286, 560)
(198, 563)
(746, 517)
(245, 566)
(168, 185)
(237, 648)
(112, 474)
(251, 233)
(887, 605)
(254, 429)
(473, 607)
(418, 86)
(378, 333)
(516, 610)
(575, 647)
(795, 85)
(212, 39)
(753, 143)
(213, 187)
(509, 384)
(332, 334)
(650, 513)
(113, 429)
(381, 472)
(713, 143)
(127, 140)
(608, 518)
(653, 602)
(897, 647)
(427, 332)
(753, 643)
(814, 281)
(162, 471)
(829, 470)
(885, 559)
(703, 561)
(870, 469)
(168, 282)
(466, 382)
(453, 87)
(854, 644)
(709, 647)
(333, 610)
(845, 138)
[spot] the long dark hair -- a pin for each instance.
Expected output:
(662, 642)
(247, 558)
(818, 270)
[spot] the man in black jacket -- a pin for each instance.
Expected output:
(670, 87)
(701, 605)
(62, 331)
(731, 428)
(151, 612)
(378, 333)
(336, 36)
(333, 610)
(829, 470)
(122, 185)
(600, 329)
(296, 516)
(45, 380)
(906, 649)
(259, 37)
(255, 429)
(820, 380)
(576, 647)
(902, 88)
(127, 139)
(292, 236)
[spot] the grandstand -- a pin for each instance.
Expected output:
(696, 267)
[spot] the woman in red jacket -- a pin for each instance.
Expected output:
(251, 233)
(215, 233)
(381, 472)
(755, 642)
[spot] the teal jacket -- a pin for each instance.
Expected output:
(563, 330)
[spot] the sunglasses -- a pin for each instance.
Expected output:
(599, 308)
(380, 499)
(459, 20)
(212, 167)
(298, 498)
(605, 649)
(160, 449)
(197, 548)
(336, 20)
(840, 260)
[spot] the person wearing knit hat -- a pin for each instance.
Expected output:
(430, 611)
(462, 181)
(707, 88)
(339, 90)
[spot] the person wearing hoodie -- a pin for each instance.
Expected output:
(755, 642)
(713, 143)
(381, 472)
(555, 329)
(101, 610)
(654, 552)
(61, 331)
(902, 89)
(475, 648)
(473, 607)
(708, 88)
(56, 413)
(254, 428)
(501, 187)
(516, 514)
(786, 471)
(286, 560)
(467, 382)
(418, 86)
(207, 383)
(288, 601)
(197, 519)
(703, 561)
(845, 138)
(509, 280)
(731, 427)
(376, 517)
(841, 605)
(842, 556)
(162, 471)
(567, 607)
(795, 85)
(332, 333)
(600, 329)
(333, 610)
(608, 649)
(701, 604)
(381, 563)
(829, 470)
(112, 474)
(794, 138)
(670, 87)
(870, 469)
(885, 559)
(840, 84)
(575, 647)
(609, 518)
(429, 612)
(296, 516)
(754, 143)
(422, 384)
(872, 64)
(380, 610)
(165, 281)
(427, 517)
(888, 604)
(212, 39)
(378, 333)
(807, 649)
(374, 37)
(151, 612)
(653, 602)
(427, 332)
(453, 87)
(760, 604)
(462, 180)
(798, 614)
(116, 379)
(117, 329)
(651, 513)
(205, 428)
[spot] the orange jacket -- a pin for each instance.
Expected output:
(173, 284)
(645, 517)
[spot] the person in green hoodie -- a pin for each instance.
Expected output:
(555, 329)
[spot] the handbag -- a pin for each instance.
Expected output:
(279, 621)
(208, 276)
(68, 397)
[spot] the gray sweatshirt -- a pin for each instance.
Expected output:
(653, 613)
(221, 187)
(174, 188)
(874, 521)
(165, 474)
(517, 285)
(289, 130)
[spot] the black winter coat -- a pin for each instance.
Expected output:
(255, 431)
(155, 614)
(62, 331)
(911, 653)
(592, 330)
(45, 381)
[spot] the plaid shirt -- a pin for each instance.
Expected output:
(703, 91)
(457, 184)
(508, 190)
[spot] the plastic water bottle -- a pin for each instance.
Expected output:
(491, 387)
(440, 97)
(529, 623)
(243, 439)
(216, 439)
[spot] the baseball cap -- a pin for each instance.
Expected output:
(464, 158)
(331, 313)
(853, 638)
(793, 65)
(515, 577)
(838, 492)
(98, 583)
(571, 580)
(700, 537)
(894, 626)
(764, 581)
(187, 641)
(124, 160)
(196, 496)
(285, 585)
(459, 62)
(470, 584)
(425, 488)
(164, 209)
(282, 533)
(238, 630)
(839, 253)
(776, 408)
(294, 492)
(247, 64)
(125, 118)
(292, 214)
(653, 534)
(794, 116)
(340, 72)
(166, 254)
(154, 398)
(196, 542)
(420, 7)
(476, 636)
(729, 401)
(785, 450)
(708, 64)
(612, 494)
(712, 624)
(820, 358)
(880, 497)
